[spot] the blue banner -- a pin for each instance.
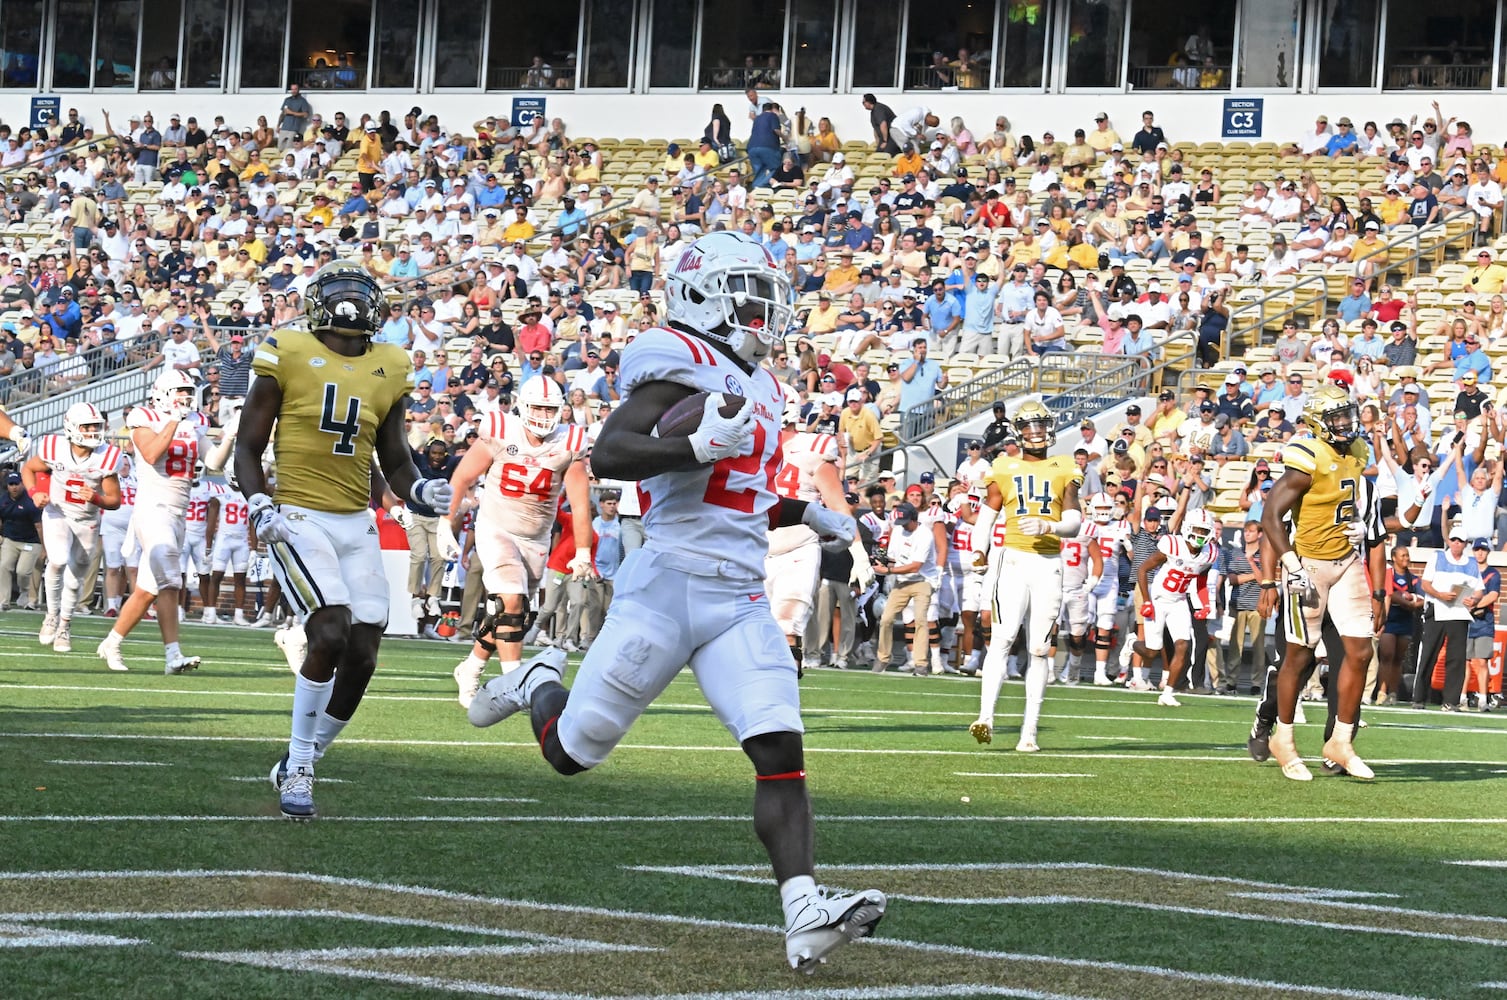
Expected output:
(1242, 118)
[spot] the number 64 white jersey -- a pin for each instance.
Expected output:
(802, 455)
(525, 480)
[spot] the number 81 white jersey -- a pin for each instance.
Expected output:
(168, 481)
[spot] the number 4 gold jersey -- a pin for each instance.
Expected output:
(331, 409)
(1331, 500)
(1032, 489)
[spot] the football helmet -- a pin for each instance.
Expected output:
(1101, 508)
(84, 425)
(792, 414)
(1331, 414)
(173, 392)
(1198, 528)
(343, 298)
(713, 284)
(539, 404)
(1036, 426)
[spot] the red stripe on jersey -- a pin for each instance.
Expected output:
(695, 349)
(112, 458)
(48, 448)
(496, 426)
(577, 438)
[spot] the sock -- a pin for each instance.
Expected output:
(1140, 673)
(1037, 670)
(1344, 732)
(508, 666)
(172, 651)
(70, 595)
(111, 640)
(114, 604)
(994, 678)
(473, 665)
(1282, 732)
(325, 732)
(793, 892)
(309, 699)
(54, 589)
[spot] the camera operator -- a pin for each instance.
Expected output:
(908, 560)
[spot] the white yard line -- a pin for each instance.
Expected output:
(673, 819)
(1020, 774)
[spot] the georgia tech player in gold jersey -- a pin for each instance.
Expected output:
(1322, 570)
(1035, 499)
(336, 398)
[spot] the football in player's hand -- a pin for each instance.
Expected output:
(682, 419)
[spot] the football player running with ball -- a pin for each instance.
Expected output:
(336, 398)
(528, 460)
(85, 480)
(694, 593)
(1322, 569)
(1036, 499)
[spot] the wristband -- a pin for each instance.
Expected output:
(1378, 595)
(1268, 584)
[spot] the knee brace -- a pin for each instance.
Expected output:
(1076, 644)
(496, 625)
(1104, 638)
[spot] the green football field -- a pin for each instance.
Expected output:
(1140, 854)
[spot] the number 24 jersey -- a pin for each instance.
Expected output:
(331, 409)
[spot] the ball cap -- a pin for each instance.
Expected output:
(1481, 544)
(1458, 534)
(906, 512)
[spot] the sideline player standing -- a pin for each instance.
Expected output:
(1083, 566)
(203, 513)
(85, 475)
(528, 460)
(169, 437)
(335, 397)
(114, 530)
(694, 592)
(1322, 570)
(1036, 498)
(792, 568)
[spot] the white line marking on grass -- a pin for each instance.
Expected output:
(249, 779)
(1020, 774)
(112, 763)
(22, 936)
(714, 818)
(1114, 739)
(732, 873)
(470, 798)
(1479, 864)
(1492, 985)
(664, 918)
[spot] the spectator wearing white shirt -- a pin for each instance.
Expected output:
(1311, 143)
(1451, 582)
(1044, 176)
(1256, 204)
(1485, 199)
(1043, 326)
(912, 556)
(179, 352)
(973, 468)
(1285, 204)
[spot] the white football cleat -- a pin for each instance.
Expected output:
(825, 922)
(294, 645)
(240, 618)
(262, 620)
(1026, 745)
(503, 696)
(1286, 754)
(467, 681)
(180, 664)
(62, 640)
(48, 631)
(209, 617)
(1101, 679)
(1342, 754)
(1138, 684)
(1168, 699)
(111, 656)
(982, 731)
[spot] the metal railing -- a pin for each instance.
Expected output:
(1210, 77)
(1073, 385)
(1251, 318)
(1433, 76)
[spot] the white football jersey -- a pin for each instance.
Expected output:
(197, 515)
(803, 455)
(1112, 539)
(719, 511)
(1183, 566)
(75, 479)
(168, 481)
(960, 552)
(1076, 560)
(120, 518)
(524, 483)
(233, 512)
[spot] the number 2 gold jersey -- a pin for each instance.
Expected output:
(327, 425)
(1330, 502)
(1032, 489)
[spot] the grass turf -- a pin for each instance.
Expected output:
(903, 797)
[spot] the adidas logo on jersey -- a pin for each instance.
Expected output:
(380, 372)
(371, 529)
